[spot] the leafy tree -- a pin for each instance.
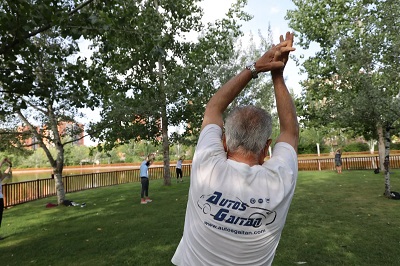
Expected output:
(309, 138)
(22, 20)
(76, 154)
(149, 74)
(353, 79)
(42, 81)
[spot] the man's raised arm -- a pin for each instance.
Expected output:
(289, 127)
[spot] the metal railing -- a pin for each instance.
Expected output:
(21, 192)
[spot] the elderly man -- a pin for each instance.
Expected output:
(238, 203)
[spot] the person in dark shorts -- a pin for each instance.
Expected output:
(179, 169)
(144, 178)
(338, 161)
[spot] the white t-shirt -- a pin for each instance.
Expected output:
(179, 164)
(235, 213)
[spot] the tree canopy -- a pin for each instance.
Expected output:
(353, 80)
(149, 74)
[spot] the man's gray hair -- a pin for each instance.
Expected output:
(247, 129)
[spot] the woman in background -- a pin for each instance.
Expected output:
(338, 161)
(179, 169)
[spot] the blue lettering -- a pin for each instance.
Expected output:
(249, 222)
(223, 202)
(257, 222)
(242, 220)
(221, 214)
(230, 203)
(230, 220)
(215, 198)
(236, 205)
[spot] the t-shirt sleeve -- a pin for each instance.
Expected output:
(284, 157)
(210, 143)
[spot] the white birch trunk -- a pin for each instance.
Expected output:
(386, 163)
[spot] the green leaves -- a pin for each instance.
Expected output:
(346, 87)
(146, 69)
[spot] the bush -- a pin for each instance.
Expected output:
(356, 147)
(395, 146)
(312, 149)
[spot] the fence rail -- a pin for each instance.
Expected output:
(21, 192)
(348, 163)
(17, 193)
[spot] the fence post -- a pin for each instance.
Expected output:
(37, 188)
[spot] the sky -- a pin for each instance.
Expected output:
(265, 13)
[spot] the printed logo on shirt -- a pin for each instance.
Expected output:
(235, 211)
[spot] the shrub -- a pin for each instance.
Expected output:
(356, 147)
(395, 146)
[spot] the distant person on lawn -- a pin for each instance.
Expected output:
(338, 161)
(144, 179)
(237, 202)
(179, 169)
(6, 174)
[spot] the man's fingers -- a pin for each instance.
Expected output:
(275, 65)
(290, 36)
(277, 55)
(287, 49)
(281, 38)
(282, 44)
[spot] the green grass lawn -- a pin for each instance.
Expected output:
(334, 220)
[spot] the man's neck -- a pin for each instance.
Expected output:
(250, 159)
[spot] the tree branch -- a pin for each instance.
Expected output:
(34, 106)
(16, 41)
(91, 133)
(38, 136)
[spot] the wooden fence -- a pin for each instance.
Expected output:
(17, 193)
(348, 163)
(21, 192)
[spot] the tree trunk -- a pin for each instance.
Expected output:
(165, 141)
(371, 146)
(386, 162)
(57, 164)
(164, 126)
(381, 146)
(164, 118)
(58, 169)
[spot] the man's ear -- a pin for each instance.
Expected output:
(269, 141)
(264, 152)
(224, 142)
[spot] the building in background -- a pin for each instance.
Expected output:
(73, 131)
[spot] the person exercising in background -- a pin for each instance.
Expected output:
(144, 179)
(179, 169)
(7, 174)
(338, 161)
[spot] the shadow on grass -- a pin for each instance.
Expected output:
(334, 220)
(341, 220)
(113, 228)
